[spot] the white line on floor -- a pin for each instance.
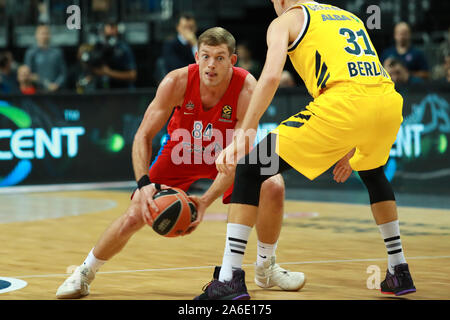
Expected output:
(245, 265)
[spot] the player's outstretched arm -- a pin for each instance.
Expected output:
(277, 42)
(278, 36)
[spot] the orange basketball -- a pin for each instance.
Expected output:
(176, 212)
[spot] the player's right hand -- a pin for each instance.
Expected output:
(343, 170)
(146, 202)
(201, 206)
(224, 163)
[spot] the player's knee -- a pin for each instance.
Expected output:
(248, 175)
(132, 221)
(274, 187)
(377, 185)
(247, 184)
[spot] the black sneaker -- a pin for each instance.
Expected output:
(399, 283)
(228, 290)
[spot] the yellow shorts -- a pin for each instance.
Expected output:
(344, 117)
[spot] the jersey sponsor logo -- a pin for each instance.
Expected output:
(190, 106)
(317, 7)
(334, 17)
(227, 111)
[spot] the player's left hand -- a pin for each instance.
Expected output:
(146, 203)
(343, 170)
(227, 160)
(201, 209)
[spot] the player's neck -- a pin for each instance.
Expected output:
(302, 1)
(292, 3)
(211, 95)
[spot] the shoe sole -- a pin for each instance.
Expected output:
(407, 291)
(387, 292)
(401, 293)
(244, 296)
(76, 295)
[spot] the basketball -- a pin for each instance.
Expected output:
(176, 212)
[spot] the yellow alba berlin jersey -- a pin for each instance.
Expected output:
(355, 103)
(334, 47)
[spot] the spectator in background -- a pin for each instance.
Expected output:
(444, 47)
(439, 70)
(46, 63)
(8, 74)
(180, 52)
(246, 61)
(403, 50)
(81, 75)
(118, 68)
(25, 80)
(399, 72)
(287, 80)
(446, 78)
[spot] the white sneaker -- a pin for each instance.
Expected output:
(77, 285)
(271, 274)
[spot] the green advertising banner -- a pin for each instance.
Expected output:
(70, 138)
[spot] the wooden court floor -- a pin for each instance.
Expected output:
(334, 244)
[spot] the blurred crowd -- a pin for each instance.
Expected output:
(107, 64)
(110, 62)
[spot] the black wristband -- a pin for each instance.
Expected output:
(143, 181)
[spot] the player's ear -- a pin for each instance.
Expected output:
(196, 57)
(233, 59)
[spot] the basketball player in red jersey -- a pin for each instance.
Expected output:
(208, 99)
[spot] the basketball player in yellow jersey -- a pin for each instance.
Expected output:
(353, 121)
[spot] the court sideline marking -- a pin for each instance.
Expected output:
(244, 265)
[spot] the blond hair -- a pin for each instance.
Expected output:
(217, 36)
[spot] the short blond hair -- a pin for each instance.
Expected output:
(217, 36)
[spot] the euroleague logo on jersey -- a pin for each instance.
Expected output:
(227, 111)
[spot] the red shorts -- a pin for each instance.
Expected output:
(164, 171)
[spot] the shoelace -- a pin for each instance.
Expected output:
(271, 270)
(219, 289)
(275, 268)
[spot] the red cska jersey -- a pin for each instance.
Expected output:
(196, 136)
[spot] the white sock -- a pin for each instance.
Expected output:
(236, 242)
(264, 252)
(92, 262)
(391, 235)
